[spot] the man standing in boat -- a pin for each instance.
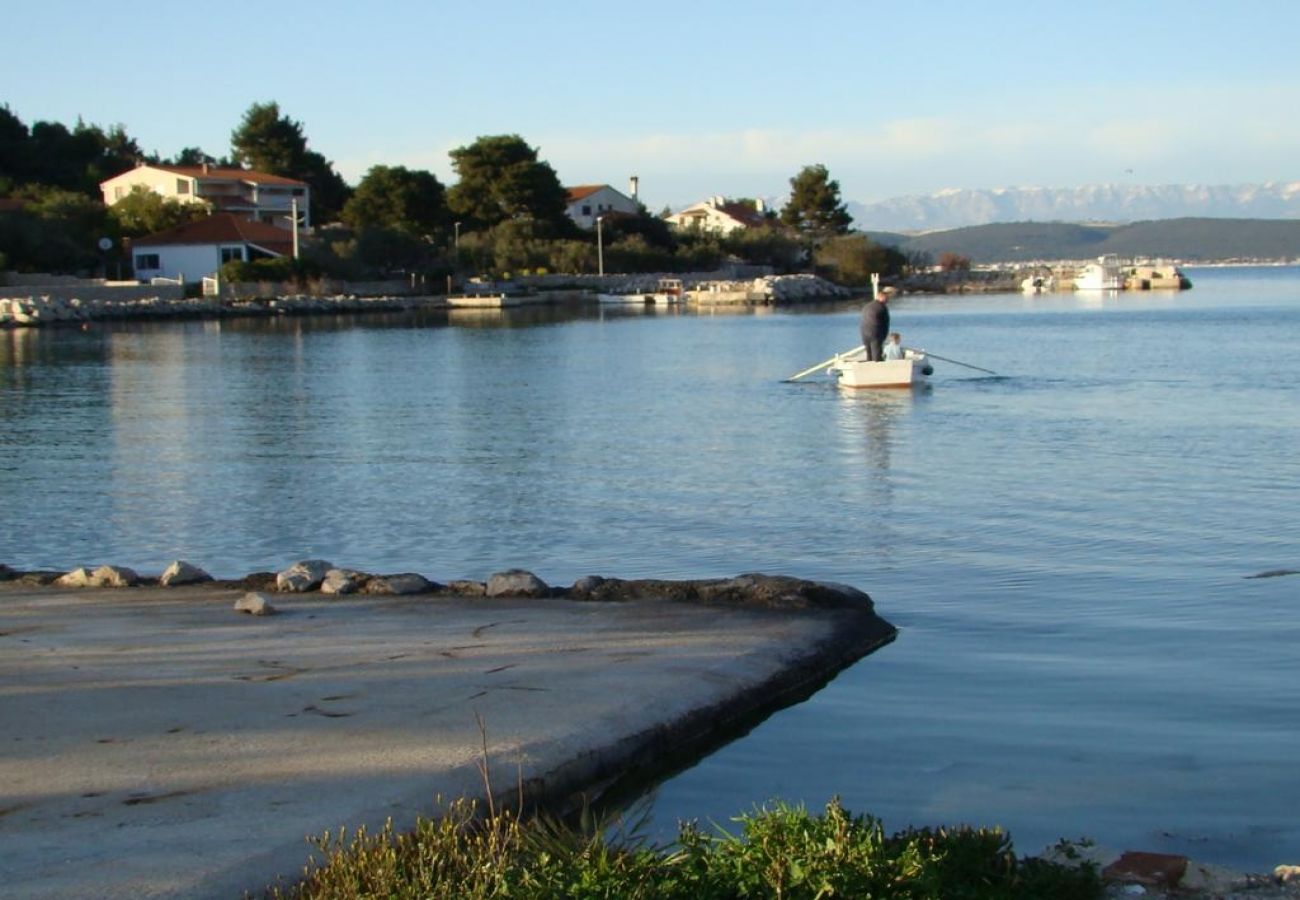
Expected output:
(875, 325)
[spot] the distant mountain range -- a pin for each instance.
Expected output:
(1113, 203)
(1187, 239)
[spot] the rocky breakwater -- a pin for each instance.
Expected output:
(39, 310)
(768, 289)
(36, 310)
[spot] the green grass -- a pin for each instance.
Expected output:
(779, 851)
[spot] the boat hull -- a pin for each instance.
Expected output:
(858, 374)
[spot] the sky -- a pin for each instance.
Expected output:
(698, 98)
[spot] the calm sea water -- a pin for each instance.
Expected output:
(1064, 545)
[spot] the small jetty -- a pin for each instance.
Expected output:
(153, 716)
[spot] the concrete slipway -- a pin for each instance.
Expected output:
(154, 743)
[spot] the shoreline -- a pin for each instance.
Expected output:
(29, 306)
(192, 730)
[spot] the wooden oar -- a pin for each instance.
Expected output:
(822, 365)
(953, 361)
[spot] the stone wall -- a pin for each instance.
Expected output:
(320, 287)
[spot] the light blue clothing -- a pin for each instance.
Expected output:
(893, 351)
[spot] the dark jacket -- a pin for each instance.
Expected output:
(875, 321)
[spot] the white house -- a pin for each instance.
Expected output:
(717, 214)
(589, 201)
(253, 195)
(196, 249)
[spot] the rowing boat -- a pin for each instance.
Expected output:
(853, 370)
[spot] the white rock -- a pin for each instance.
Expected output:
(181, 572)
(77, 578)
(114, 577)
(342, 581)
(254, 604)
(1287, 874)
(304, 575)
(516, 583)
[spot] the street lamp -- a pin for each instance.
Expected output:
(600, 247)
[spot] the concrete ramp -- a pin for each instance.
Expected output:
(156, 743)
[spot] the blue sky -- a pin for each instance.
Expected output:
(698, 98)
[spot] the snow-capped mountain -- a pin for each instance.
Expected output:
(955, 208)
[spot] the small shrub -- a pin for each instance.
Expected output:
(781, 852)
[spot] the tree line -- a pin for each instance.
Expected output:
(506, 212)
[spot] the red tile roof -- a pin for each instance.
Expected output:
(577, 192)
(230, 174)
(223, 228)
(743, 212)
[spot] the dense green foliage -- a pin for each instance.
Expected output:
(815, 209)
(501, 179)
(850, 259)
(506, 215)
(144, 212)
(54, 230)
(51, 155)
(399, 199)
(271, 142)
(780, 852)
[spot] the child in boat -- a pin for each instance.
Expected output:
(893, 348)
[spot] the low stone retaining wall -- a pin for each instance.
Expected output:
(50, 306)
(44, 309)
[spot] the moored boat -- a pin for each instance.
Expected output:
(667, 292)
(1103, 275)
(855, 371)
(1038, 283)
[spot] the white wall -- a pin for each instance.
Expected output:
(192, 261)
(599, 202)
(156, 180)
(713, 219)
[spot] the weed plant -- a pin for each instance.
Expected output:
(778, 851)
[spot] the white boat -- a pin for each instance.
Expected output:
(666, 293)
(1037, 284)
(1103, 275)
(854, 371)
(624, 299)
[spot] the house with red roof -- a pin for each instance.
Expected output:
(256, 196)
(721, 215)
(588, 202)
(190, 251)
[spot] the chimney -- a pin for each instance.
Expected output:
(632, 184)
(760, 206)
(206, 168)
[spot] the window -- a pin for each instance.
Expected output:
(586, 209)
(182, 186)
(147, 261)
(232, 253)
(298, 192)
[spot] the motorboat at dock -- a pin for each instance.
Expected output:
(1105, 274)
(667, 292)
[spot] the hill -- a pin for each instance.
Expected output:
(1189, 239)
(1092, 203)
